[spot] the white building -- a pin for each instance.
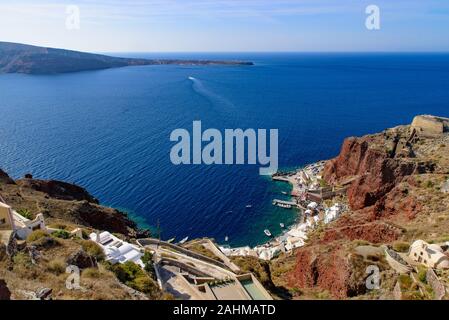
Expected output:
(430, 255)
(116, 250)
(332, 213)
(294, 242)
(11, 220)
(267, 253)
(312, 206)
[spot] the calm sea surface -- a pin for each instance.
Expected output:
(109, 130)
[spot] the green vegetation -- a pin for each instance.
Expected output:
(410, 289)
(401, 246)
(147, 259)
(133, 276)
(422, 274)
(93, 249)
(222, 282)
(26, 214)
(405, 281)
(323, 183)
(61, 234)
(36, 235)
(22, 259)
(259, 268)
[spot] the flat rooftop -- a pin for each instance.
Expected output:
(229, 291)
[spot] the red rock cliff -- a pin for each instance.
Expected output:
(370, 170)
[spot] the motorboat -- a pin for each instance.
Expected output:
(183, 240)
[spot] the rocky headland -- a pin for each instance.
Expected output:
(395, 193)
(21, 58)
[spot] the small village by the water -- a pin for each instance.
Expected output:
(310, 196)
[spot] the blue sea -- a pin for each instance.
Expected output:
(109, 130)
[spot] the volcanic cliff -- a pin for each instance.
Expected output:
(393, 181)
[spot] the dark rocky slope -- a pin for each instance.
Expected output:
(64, 202)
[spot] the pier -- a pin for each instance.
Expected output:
(280, 178)
(285, 204)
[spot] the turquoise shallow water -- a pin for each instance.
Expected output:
(109, 130)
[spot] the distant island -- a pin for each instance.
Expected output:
(27, 59)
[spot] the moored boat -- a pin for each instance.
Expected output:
(183, 240)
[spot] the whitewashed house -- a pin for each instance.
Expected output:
(11, 220)
(332, 213)
(116, 250)
(430, 255)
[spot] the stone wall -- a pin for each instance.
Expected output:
(438, 288)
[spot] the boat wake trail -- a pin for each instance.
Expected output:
(211, 96)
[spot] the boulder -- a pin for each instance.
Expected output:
(5, 294)
(4, 178)
(82, 260)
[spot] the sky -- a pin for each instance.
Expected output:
(226, 25)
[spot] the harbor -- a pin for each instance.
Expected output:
(308, 197)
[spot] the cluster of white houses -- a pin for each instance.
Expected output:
(13, 224)
(117, 250)
(294, 237)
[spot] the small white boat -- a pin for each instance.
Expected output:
(183, 240)
(191, 78)
(284, 192)
(171, 240)
(282, 225)
(226, 238)
(249, 206)
(267, 232)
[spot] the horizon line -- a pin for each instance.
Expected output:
(242, 51)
